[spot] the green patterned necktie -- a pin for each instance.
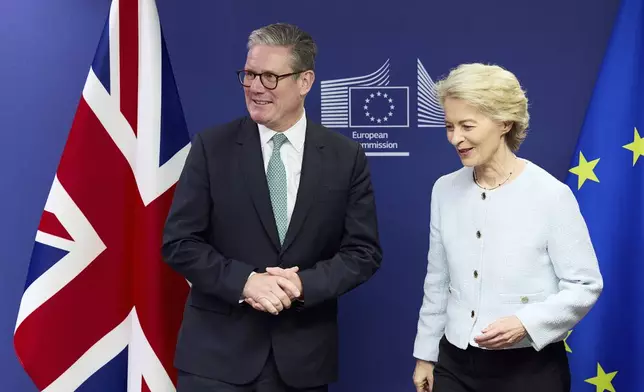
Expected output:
(276, 177)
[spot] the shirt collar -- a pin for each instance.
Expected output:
(295, 134)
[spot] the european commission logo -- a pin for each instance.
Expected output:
(370, 102)
(383, 106)
(371, 109)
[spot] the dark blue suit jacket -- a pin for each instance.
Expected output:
(221, 228)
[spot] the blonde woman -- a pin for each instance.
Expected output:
(511, 268)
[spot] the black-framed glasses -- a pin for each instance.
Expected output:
(268, 79)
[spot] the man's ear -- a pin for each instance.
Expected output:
(306, 80)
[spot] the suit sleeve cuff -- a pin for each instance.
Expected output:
(238, 274)
(241, 297)
(312, 288)
(426, 351)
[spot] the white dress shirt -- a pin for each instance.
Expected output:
(291, 152)
(522, 249)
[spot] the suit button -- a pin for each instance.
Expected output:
(476, 274)
(472, 314)
(478, 234)
(483, 196)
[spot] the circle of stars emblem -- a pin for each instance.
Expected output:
(374, 97)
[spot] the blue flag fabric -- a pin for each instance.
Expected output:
(606, 349)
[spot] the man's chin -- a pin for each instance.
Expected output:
(259, 117)
(258, 120)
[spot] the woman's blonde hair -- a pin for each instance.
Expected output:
(494, 91)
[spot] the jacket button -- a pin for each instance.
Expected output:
(472, 314)
(483, 196)
(524, 300)
(478, 234)
(476, 274)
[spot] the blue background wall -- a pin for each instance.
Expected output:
(555, 48)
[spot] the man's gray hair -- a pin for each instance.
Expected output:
(303, 48)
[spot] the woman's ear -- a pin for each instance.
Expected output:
(506, 126)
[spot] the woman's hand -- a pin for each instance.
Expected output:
(424, 376)
(502, 333)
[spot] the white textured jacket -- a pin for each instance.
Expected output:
(522, 249)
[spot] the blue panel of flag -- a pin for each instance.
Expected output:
(381, 106)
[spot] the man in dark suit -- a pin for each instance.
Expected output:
(273, 219)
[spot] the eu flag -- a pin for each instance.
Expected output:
(382, 106)
(606, 349)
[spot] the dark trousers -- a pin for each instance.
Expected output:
(269, 380)
(512, 370)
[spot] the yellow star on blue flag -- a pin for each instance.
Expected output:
(585, 170)
(637, 146)
(606, 350)
(603, 381)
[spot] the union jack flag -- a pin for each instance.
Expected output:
(100, 310)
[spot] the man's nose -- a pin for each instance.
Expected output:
(256, 85)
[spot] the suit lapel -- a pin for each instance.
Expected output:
(309, 182)
(252, 167)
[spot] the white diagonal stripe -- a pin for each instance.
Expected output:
(143, 361)
(358, 80)
(102, 352)
(54, 241)
(335, 95)
(86, 247)
(142, 150)
(430, 113)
